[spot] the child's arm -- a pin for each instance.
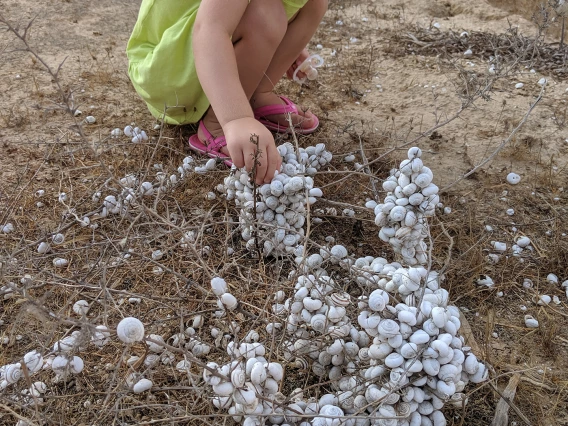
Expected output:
(216, 67)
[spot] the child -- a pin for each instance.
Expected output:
(217, 62)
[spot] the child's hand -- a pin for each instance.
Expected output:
(301, 58)
(238, 136)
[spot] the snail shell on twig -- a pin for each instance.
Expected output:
(33, 361)
(81, 307)
(229, 301)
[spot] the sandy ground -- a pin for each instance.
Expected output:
(406, 93)
(373, 87)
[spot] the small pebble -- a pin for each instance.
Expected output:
(90, 119)
(519, 86)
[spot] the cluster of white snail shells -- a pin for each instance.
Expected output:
(135, 133)
(399, 357)
(247, 385)
(132, 189)
(411, 198)
(276, 214)
(62, 365)
(400, 362)
(225, 301)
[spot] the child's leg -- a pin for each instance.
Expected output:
(256, 39)
(300, 31)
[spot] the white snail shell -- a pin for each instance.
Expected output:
(67, 344)
(339, 251)
(319, 323)
(219, 286)
(238, 377)
(81, 307)
(12, 373)
(397, 214)
(275, 370)
(513, 178)
(229, 301)
(183, 366)
(33, 361)
(142, 386)
(100, 336)
(439, 316)
(156, 347)
(530, 321)
(58, 238)
(60, 364)
(311, 304)
(523, 241)
(378, 299)
(246, 395)
(130, 330)
(60, 262)
(388, 328)
(43, 247)
(394, 360)
(76, 365)
(258, 373)
(38, 388)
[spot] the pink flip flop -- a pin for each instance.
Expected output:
(213, 147)
(287, 107)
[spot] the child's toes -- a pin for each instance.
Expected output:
(306, 120)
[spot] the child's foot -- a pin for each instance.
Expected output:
(212, 125)
(264, 103)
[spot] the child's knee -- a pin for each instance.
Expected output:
(318, 7)
(268, 21)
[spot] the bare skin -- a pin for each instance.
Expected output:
(250, 72)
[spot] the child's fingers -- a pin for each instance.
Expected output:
(236, 157)
(248, 156)
(261, 167)
(274, 163)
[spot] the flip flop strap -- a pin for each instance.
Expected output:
(287, 107)
(214, 144)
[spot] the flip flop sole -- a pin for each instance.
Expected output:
(275, 127)
(196, 145)
(287, 107)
